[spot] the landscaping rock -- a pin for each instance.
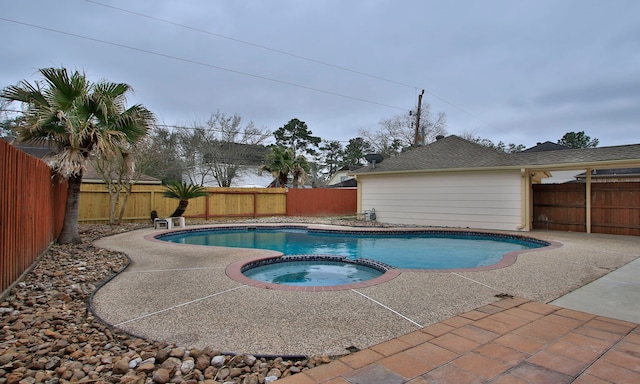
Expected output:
(48, 334)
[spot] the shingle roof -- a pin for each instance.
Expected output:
(546, 146)
(42, 149)
(453, 152)
(446, 153)
(616, 172)
(579, 156)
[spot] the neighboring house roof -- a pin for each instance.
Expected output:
(249, 176)
(584, 157)
(90, 175)
(39, 150)
(42, 149)
(337, 177)
(546, 146)
(611, 173)
(455, 153)
(349, 183)
(349, 168)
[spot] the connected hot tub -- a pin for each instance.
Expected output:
(313, 270)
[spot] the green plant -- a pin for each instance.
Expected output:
(183, 192)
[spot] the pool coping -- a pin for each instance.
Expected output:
(234, 270)
(149, 301)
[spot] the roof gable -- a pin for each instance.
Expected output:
(629, 154)
(546, 146)
(446, 153)
(453, 152)
(41, 149)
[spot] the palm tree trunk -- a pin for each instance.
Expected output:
(282, 179)
(69, 233)
(182, 207)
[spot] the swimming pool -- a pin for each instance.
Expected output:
(313, 270)
(400, 249)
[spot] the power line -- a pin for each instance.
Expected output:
(250, 44)
(295, 56)
(208, 129)
(201, 64)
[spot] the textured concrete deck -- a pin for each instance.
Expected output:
(419, 327)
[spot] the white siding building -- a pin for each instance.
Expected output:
(455, 199)
(453, 182)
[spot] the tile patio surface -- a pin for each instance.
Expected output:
(509, 341)
(419, 327)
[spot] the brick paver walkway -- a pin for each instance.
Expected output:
(511, 341)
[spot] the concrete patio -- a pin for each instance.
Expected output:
(181, 294)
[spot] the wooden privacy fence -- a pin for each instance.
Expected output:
(31, 211)
(221, 203)
(615, 207)
(322, 202)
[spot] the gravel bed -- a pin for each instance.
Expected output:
(49, 335)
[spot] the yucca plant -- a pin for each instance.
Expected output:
(183, 192)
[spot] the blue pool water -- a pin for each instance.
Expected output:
(312, 273)
(426, 250)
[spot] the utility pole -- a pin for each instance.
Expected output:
(419, 140)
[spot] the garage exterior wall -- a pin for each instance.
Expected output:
(481, 200)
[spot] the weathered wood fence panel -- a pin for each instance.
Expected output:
(559, 207)
(31, 211)
(221, 203)
(615, 207)
(322, 201)
(240, 202)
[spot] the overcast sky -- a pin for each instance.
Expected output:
(515, 71)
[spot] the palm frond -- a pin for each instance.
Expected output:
(183, 191)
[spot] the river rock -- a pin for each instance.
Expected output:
(133, 379)
(162, 355)
(223, 373)
(187, 366)
(146, 367)
(218, 361)
(235, 372)
(121, 366)
(249, 360)
(177, 352)
(210, 372)
(161, 376)
(202, 362)
(50, 336)
(135, 362)
(274, 372)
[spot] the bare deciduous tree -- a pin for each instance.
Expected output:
(219, 150)
(397, 134)
(231, 147)
(118, 172)
(500, 146)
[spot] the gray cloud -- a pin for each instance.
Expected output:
(513, 71)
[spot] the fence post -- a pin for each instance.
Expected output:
(207, 204)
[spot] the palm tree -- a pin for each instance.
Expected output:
(183, 192)
(300, 171)
(79, 118)
(282, 161)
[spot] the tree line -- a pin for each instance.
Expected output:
(86, 122)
